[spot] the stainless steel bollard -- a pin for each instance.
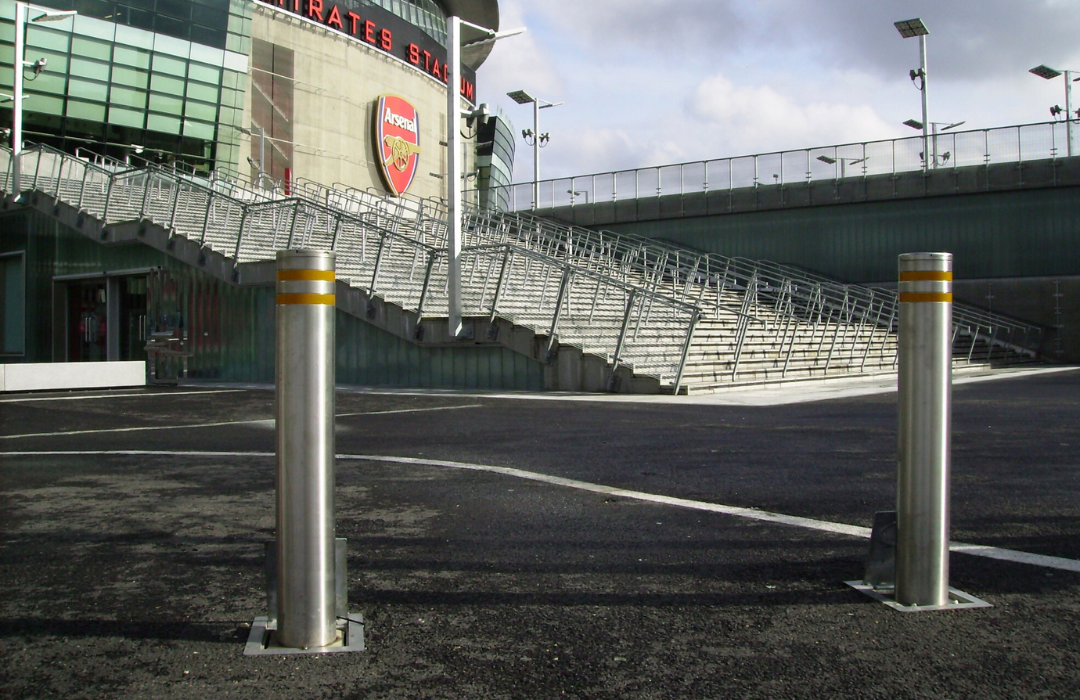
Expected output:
(305, 449)
(925, 387)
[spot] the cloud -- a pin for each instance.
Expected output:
(751, 119)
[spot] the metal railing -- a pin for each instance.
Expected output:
(379, 248)
(951, 152)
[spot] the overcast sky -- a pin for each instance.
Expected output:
(652, 82)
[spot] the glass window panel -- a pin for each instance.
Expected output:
(58, 63)
(49, 81)
(86, 25)
(172, 26)
(163, 83)
(175, 8)
(130, 77)
(199, 130)
(204, 74)
(93, 8)
(90, 111)
(217, 19)
(89, 69)
(207, 55)
(41, 38)
(128, 98)
(158, 122)
(140, 19)
(91, 48)
(236, 62)
(209, 36)
(230, 79)
(166, 104)
(44, 103)
(172, 46)
(206, 93)
(135, 38)
(167, 64)
(88, 90)
(201, 110)
(131, 57)
(7, 31)
(234, 44)
(126, 117)
(222, 5)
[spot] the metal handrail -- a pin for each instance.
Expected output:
(953, 150)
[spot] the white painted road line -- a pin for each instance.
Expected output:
(129, 395)
(267, 421)
(1009, 555)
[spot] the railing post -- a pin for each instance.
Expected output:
(564, 284)
(424, 289)
(206, 219)
(378, 262)
(694, 318)
(507, 255)
(292, 226)
(622, 337)
(108, 196)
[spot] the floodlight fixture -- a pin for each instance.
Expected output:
(521, 97)
(54, 16)
(827, 159)
(911, 27)
(914, 124)
(954, 125)
(539, 140)
(1045, 72)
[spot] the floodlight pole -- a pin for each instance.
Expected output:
(455, 184)
(925, 108)
(454, 167)
(17, 88)
(1069, 110)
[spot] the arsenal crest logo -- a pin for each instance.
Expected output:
(397, 142)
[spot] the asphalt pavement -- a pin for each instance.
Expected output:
(515, 546)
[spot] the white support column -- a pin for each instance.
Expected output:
(16, 107)
(453, 168)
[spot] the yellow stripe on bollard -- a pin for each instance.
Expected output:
(922, 297)
(293, 299)
(926, 276)
(306, 276)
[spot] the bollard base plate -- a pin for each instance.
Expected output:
(350, 637)
(958, 600)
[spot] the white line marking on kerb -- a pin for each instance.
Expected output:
(268, 421)
(1009, 555)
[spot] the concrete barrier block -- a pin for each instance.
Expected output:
(71, 375)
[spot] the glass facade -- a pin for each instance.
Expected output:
(155, 80)
(425, 14)
(495, 162)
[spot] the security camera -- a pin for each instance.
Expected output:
(39, 65)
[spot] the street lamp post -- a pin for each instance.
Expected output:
(22, 10)
(538, 140)
(454, 160)
(844, 162)
(916, 124)
(1048, 73)
(909, 28)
